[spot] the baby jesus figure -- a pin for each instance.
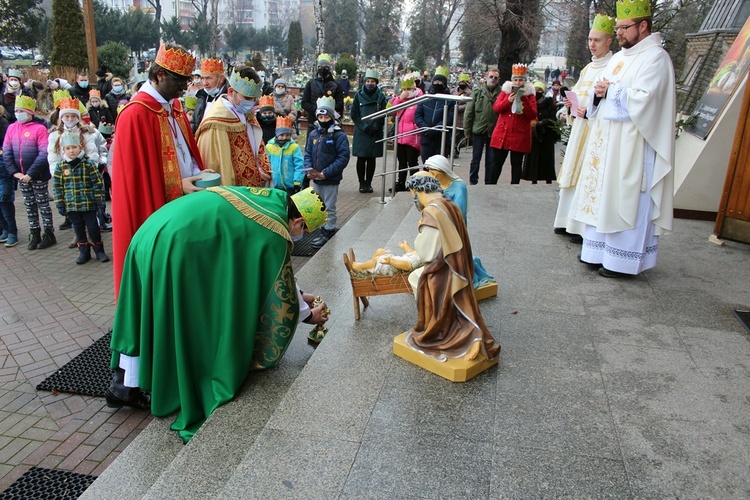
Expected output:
(384, 263)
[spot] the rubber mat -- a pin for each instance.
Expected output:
(87, 374)
(744, 318)
(49, 484)
(303, 247)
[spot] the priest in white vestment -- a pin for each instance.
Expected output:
(636, 97)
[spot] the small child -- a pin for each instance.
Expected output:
(266, 117)
(286, 158)
(326, 157)
(78, 189)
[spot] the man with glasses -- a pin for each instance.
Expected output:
(479, 121)
(154, 158)
(630, 176)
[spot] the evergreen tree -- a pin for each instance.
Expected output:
(346, 62)
(341, 20)
(381, 33)
(235, 37)
(68, 35)
(294, 42)
(115, 56)
(110, 26)
(19, 22)
(140, 31)
(171, 31)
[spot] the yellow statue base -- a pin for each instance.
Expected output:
(485, 291)
(455, 370)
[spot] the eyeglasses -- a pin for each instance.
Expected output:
(182, 81)
(624, 28)
(493, 77)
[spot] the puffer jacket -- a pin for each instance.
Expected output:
(7, 182)
(287, 163)
(25, 149)
(406, 121)
(479, 117)
(327, 151)
(513, 132)
(430, 114)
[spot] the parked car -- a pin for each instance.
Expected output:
(25, 54)
(8, 53)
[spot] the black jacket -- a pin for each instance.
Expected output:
(317, 88)
(200, 106)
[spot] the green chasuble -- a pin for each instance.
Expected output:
(207, 294)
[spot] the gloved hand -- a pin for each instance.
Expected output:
(61, 209)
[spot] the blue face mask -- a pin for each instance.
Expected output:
(22, 116)
(245, 106)
(370, 87)
(213, 92)
(117, 89)
(83, 85)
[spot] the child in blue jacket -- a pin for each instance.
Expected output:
(286, 158)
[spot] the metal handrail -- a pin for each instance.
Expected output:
(408, 104)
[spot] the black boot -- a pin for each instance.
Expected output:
(99, 251)
(48, 239)
(101, 217)
(362, 187)
(35, 237)
(66, 224)
(118, 395)
(368, 187)
(85, 253)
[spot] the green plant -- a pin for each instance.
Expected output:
(68, 36)
(115, 57)
(346, 62)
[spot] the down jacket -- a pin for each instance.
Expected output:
(25, 149)
(406, 120)
(327, 151)
(513, 132)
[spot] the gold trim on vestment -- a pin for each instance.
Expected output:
(243, 204)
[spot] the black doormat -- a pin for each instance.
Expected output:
(49, 484)
(303, 247)
(743, 317)
(87, 374)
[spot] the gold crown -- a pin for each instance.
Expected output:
(175, 60)
(519, 69)
(212, 67)
(25, 102)
(633, 9)
(604, 23)
(311, 208)
(59, 95)
(284, 122)
(95, 93)
(266, 102)
(442, 71)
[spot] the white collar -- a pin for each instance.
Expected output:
(150, 90)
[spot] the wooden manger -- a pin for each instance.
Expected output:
(369, 286)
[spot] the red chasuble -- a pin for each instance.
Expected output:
(145, 172)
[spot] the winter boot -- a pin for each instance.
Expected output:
(85, 253)
(101, 216)
(99, 251)
(362, 187)
(12, 240)
(35, 238)
(48, 239)
(66, 224)
(368, 187)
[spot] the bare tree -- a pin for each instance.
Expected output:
(432, 23)
(320, 35)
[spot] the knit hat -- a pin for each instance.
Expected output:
(539, 86)
(68, 139)
(279, 81)
(26, 103)
(372, 73)
(325, 106)
(283, 125)
(441, 73)
(324, 60)
(68, 105)
(441, 163)
(265, 103)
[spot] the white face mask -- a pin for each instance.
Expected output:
(70, 122)
(280, 91)
(14, 84)
(22, 116)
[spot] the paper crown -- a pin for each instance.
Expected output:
(120, 108)
(16, 73)
(245, 86)
(175, 60)
(106, 129)
(68, 105)
(463, 77)
(633, 9)
(604, 23)
(59, 95)
(540, 86)
(519, 70)
(311, 208)
(284, 125)
(68, 139)
(141, 77)
(442, 71)
(324, 60)
(265, 102)
(25, 102)
(212, 67)
(95, 93)
(408, 82)
(372, 73)
(325, 102)
(190, 101)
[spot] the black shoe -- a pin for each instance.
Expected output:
(560, 230)
(576, 238)
(48, 239)
(603, 271)
(362, 188)
(138, 399)
(590, 264)
(323, 237)
(368, 187)
(66, 224)
(35, 237)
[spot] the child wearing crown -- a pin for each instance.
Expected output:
(266, 117)
(78, 190)
(286, 158)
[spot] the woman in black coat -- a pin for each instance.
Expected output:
(539, 165)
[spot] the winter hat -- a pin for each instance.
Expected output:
(102, 71)
(324, 60)
(70, 106)
(372, 73)
(279, 81)
(265, 103)
(26, 103)
(68, 139)
(440, 163)
(539, 86)
(325, 106)
(283, 125)
(441, 73)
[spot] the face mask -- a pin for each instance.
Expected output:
(117, 89)
(70, 122)
(370, 87)
(280, 91)
(281, 142)
(22, 116)
(439, 87)
(268, 119)
(323, 125)
(212, 92)
(245, 106)
(83, 85)
(324, 71)
(14, 84)
(197, 81)
(94, 104)
(462, 85)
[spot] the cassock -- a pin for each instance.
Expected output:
(573, 162)
(207, 294)
(449, 321)
(634, 154)
(153, 151)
